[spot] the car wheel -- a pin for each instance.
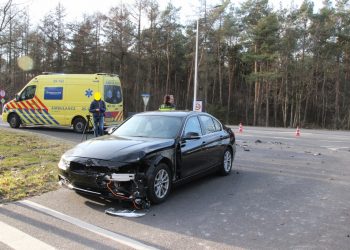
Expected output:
(226, 165)
(159, 184)
(14, 121)
(79, 125)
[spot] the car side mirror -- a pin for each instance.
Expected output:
(191, 136)
(17, 97)
(110, 130)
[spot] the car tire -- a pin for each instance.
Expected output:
(227, 160)
(159, 183)
(14, 121)
(79, 125)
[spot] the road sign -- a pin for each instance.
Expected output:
(198, 106)
(2, 93)
(145, 98)
(2, 100)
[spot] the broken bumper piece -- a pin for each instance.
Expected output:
(121, 177)
(124, 213)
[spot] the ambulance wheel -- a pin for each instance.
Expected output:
(79, 125)
(14, 121)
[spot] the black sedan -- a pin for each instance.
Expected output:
(146, 155)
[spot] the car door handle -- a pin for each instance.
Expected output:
(203, 142)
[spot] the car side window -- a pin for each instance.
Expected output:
(28, 93)
(208, 124)
(217, 125)
(193, 125)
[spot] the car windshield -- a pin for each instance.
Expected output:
(152, 126)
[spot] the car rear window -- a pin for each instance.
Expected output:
(208, 124)
(217, 124)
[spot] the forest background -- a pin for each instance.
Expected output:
(257, 65)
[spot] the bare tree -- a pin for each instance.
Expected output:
(5, 15)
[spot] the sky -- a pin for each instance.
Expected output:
(76, 8)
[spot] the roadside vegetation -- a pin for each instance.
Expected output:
(28, 164)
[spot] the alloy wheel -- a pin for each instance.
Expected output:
(227, 161)
(161, 183)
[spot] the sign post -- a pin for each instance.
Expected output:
(2, 95)
(145, 98)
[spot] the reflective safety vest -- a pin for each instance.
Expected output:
(165, 107)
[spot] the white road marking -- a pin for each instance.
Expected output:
(331, 141)
(271, 132)
(264, 136)
(334, 148)
(285, 138)
(19, 240)
(87, 226)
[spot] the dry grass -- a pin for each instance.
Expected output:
(28, 164)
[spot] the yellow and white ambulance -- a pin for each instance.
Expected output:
(64, 100)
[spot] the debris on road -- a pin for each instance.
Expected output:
(124, 213)
(244, 146)
(276, 142)
(315, 154)
(258, 141)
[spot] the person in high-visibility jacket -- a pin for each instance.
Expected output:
(168, 103)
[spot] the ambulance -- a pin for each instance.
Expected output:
(64, 100)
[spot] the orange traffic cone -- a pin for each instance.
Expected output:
(240, 130)
(297, 133)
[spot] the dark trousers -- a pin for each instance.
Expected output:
(98, 125)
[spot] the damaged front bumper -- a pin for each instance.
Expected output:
(121, 186)
(63, 181)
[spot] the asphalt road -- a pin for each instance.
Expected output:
(285, 192)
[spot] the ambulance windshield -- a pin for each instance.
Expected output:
(112, 94)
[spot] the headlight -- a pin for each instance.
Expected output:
(63, 164)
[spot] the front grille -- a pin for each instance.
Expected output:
(78, 168)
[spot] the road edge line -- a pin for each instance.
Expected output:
(87, 226)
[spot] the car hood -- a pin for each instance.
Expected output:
(118, 149)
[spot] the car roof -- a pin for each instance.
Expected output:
(175, 113)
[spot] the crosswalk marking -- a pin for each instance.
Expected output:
(19, 240)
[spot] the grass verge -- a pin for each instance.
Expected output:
(28, 163)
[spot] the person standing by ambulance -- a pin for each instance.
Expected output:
(98, 109)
